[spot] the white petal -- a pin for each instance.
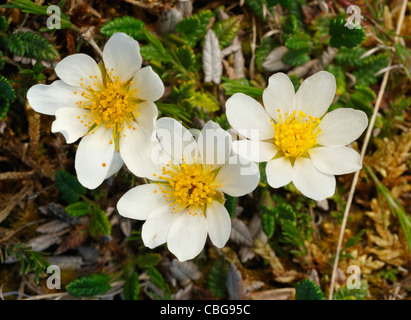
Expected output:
(140, 151)
(147, 117)
(155, 230)
(148, 85)
(116, 164)
(248, 117)
(121, 56)
(279, 95)
(315, 94)
(279, 172)
(68, 123)
(176, 141)
(214, 145)
(335, 160)
(139, 202)
(187, 236)
(258, 151)
(239, 177)
(93, 157)
(218, 224)
(78, 69)
(311, 182)
(341, 127)
(47, 99)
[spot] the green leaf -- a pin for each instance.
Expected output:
(308, 290)
(257, 7)
(132, 287)
(69, 186)
(296, 57)
(6, 89)
(185, 57)
(362, 98)
(338, 72)
(99, 223)
(4, 106)
(89, 286)
(126, 24)
(3, 24)
(217, 277)
(268, 221)
(298, 41)
(341, 36)
(366, 75)
(231, 205)
(205, 101)
(32, 45)
(352, 241)
(148, 259)
(232, 86)
(266, 46)
(157, 279)
(352, 294)
(78, 209)
(193, 28)
(226, 30)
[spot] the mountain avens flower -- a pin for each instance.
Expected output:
(185, 199)
(109, 105)
(298, 139)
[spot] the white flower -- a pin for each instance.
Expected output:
(185, 200)
(110, 105)
(300, 141)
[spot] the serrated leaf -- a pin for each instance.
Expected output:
(205, 101)
(268, 222)
(240, 233)
(217, 277)
(226, 30)
(32, 45)
(186, 57)
(212, 59)
(157, 279)
(69, 186)
(298, 41)
(78, 209)
(308, 290)
(257, 7)
(350, 57)
(193, 28)
(184, 271)
(132, 287)
(4, 106)
(296, 57)
(341, 36)
(6, 89)
(231, 205)
(338, 72)
(352, 294)
(232, 86)
(3, 24)
(148, 259)
(89, 286)
(126, 24)
(366, 74)
(99, 223)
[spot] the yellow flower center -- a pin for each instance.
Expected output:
(111, 104)
(294, 135)
(188, 186)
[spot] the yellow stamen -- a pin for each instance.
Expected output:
(294, 135)
(188, 186)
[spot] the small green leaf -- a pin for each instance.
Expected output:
(3, 24)
(194, 28)
(226, 30)
(267, 221)
(352, 294)
(157, 279)
(342, 36)
(99, 223)
(126, 24)
(132, 287)
(232, 86)
(32, 45)
(338, 72)
(205, 101)
(78, 209)
(298, 41)
(186, 57)
(69, 186)
(257, 7)
(148, 259)
(231, 205)
(6, 89)
(217, 277)
(308, 290)
(89, 286)
(296, 57)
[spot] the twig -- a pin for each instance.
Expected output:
(363, 150)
